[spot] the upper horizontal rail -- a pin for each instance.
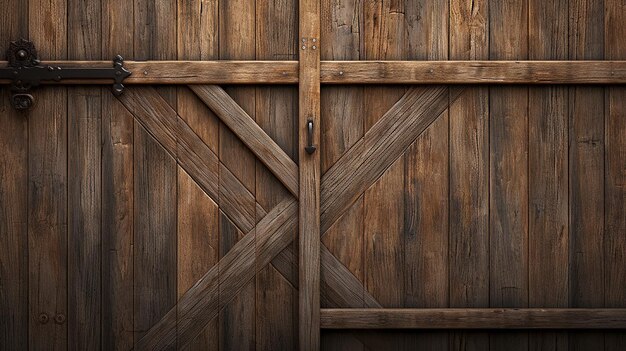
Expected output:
(362, 72)
(474, 318)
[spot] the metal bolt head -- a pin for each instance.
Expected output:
(314, 47)
(22, 54)
(303, 47)
(59, 318)
(314, 40)
(43, 318)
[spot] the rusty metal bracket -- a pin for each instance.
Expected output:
(26, 72)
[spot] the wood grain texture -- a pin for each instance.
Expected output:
(615, 173)
(586, 170)
(264, 147)
(223, 282)
(548, 172)
(474, 318)
(501, 70)
(508, 179)
(198, 244)
(380, 147)
(469, 173)
(155, 232)
(14, 276)
(242, 72)
(48, 186)
(310, 174)
(117, 193)
(277, 115)
(84, 112)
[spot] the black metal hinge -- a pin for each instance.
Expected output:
(26, 72)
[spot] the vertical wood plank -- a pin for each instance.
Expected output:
(198, 215)
(84, 191)
(341, 123)
(13, 200)
(277, 114)
(586, 171)
(117, 190)
(47, 191)
(615, 173)
(469, 173)
(310, 173)
(548, 172)
(237, 24)
(426, 180)
(155, 176)
(508, 171)
(155, 232)
(198, 245)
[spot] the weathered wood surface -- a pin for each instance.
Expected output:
(246, 129)
(310, 174)
(474, 318)
(423, 71)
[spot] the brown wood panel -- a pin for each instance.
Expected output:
(84, 112)
(277, 115)
(474, 318)
(14, 276)
(198, 246)
(586, 171)
(154, 233)
(117, 193)
(615, 173)
(309, 231)
(548, 252)
(508, 129)
(48, 186)
(469, 173)
(237, 42)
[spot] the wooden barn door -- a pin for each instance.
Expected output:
(316, 174)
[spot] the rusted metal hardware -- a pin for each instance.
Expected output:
(26, 72)
(310, 148)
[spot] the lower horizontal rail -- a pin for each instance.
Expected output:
(361, 72)
(474, 318)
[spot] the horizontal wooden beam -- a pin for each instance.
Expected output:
(191, 72)
(363, 72)
(474, 318)
(473, 72)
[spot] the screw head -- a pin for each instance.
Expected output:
(22, 54)
(43, 318)
(59, 318)
(303, 47)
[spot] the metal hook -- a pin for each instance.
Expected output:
(310, 149)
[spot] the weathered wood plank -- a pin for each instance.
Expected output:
(496, 71)
(237, 41)
(340, 287)
(202, 302)
(474, 318)
(615, 173)
(586, 170)
(47, 189)
(548, 244)
(384, 232)
(84, 111)
(508, 163)
(368, 159)
(426, 182)
(277, 115)
(310, 173)
(13, 200)
(469, 173)
(361, 72)
(117, 193)
(154, 233)
(264, 147)
(198, 243)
